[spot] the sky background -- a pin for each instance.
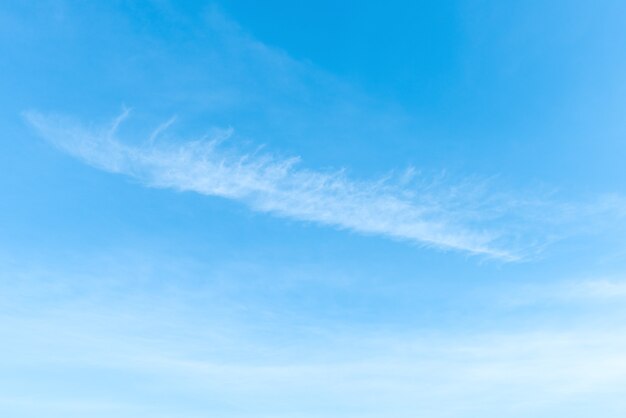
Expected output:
(312, 209)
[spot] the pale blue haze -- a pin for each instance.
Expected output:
(312, 209)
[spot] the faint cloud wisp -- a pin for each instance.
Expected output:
(273, 185)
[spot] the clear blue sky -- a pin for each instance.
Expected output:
(312, 209)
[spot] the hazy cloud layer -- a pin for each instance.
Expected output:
(209, 350)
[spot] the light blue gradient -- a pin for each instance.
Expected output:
(311, 209)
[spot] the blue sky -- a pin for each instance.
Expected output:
(281, 209)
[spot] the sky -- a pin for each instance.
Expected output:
(351, 209)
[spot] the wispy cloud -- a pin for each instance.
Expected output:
(273, 98)
(396, 209)
(590, 292)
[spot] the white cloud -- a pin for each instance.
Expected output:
(274, 185)
(592, 292)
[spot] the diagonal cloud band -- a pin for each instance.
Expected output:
(269, 184)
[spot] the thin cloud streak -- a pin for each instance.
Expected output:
(272, 185)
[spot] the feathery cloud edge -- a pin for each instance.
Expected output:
(267, 184)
